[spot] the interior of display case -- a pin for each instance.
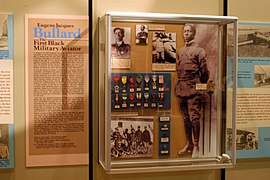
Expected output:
(167, 92)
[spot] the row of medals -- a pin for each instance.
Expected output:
(139, 93)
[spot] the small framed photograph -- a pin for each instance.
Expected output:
(164, 51)
(120, 47)
(141, 34)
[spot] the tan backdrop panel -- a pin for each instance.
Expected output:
(141, 61)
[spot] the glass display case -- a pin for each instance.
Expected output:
(167, 92)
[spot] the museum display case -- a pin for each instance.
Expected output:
(167, 92)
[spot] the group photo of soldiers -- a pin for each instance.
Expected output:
(131, 139)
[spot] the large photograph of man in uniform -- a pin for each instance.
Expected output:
(197, 65)
(120, 43)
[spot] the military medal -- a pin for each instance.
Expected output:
(131, 98)
(164, 149)
(146, 79)
(153, 104)
(139, 97)
(164, 127)
(164, 138)
(154, 83)
(139, 80)
(131, 84)
(116, 88)
(161, 97)
(124, 82)
(117, 105)
(124, 97)
(116, 80)
(121, 50)
(160, 83)
(146, 96)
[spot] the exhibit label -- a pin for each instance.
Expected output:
(57, 77)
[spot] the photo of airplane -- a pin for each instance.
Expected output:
(253, 39)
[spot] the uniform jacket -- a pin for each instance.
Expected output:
(121, 51)
(191, 69)
(142, 36)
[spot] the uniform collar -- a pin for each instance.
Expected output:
(119, 43)
(190, 42)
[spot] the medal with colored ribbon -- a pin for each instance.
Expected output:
(153, 104)
(161, 97)
(139, 97)
(131, 84)
(117, 104)
(131, 98)
(138, 81)
(160, 83)
(154, 83)
(124, 97)
(146, 79)
(116, 80)
(124, 82)
(146, 96)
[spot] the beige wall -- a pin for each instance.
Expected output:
(250, 11)
(246, 10)
(19, 8)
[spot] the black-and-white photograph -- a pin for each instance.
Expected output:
(120, 42)
(262, 76)
(3, 32)
(246, 138)
(141, 34)
(4, 141)
(253, 40)
(132, 137)
(197, 64)
(164, 47)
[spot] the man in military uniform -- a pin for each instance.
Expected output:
(191, 69)
(120, 49)
(142, 36)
